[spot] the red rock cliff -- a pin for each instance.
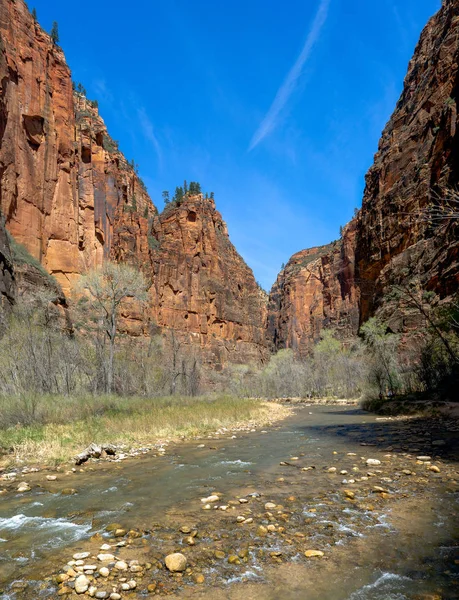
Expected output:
(315, 290)
(416, 163)
(393, 237)
(71, 198)
(64, 184)
(202, 287)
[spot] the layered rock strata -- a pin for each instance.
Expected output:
(71, 198)
(407, 229)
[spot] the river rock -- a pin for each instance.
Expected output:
(115, 596)
(176, 562)
(210, 499)
(81, 555)
(23, 487)
(373, 462)
(313, 553)
(51, 477)
(434, 469)
(105, 557)
(101, 594)
(104, 572)
(199, 578)
(81, 584)
(121, 565)
(270, 506)
(424, 458)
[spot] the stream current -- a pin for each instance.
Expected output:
(388, 531)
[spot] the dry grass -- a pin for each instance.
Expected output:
(72, 424)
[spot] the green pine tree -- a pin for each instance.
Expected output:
(34, 14)
(55, 33)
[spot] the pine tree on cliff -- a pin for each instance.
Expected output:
(34, 14)
(55, 33)
(185, 188)
(166, 198)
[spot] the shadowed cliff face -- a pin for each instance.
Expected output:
(417, 160)
(315, 290)
(393, 237)
(7, 282)
(71, 198)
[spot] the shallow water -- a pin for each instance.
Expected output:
(393, 551)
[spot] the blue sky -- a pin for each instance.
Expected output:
(276, 107)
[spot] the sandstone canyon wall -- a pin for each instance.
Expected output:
(70, 197)
(394, 238)
(315, 290)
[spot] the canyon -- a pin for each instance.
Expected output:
(70, 197)
(404, 231)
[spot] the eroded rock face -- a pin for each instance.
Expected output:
(71, 198)
(315, 290)
(202, 288)
(393, 238)
(64, 184)
(416, 162)
(7, 278)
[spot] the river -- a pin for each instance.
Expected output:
(387, 530)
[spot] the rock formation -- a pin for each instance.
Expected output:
(64, 184)
(71, 198)
(316, 289)
(394, 238)
(7, 280)
(202, 287)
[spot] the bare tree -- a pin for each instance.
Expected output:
(105, 289)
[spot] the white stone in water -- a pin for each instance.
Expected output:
(424, 458)
(51, 477)
(105, 547)
(121, 565)
(343, 472)
(92, 590)
(115, 596)
(89, 567)
(212, 498)
(240, 519)
(105, 557)
(104, 572)
(101, 594)
(81, 584)
(201, 446)
(248, 521)
(81, 555)
(270, 505)
(79, 563)
(132, 584)
(207, 507)
(371, 462)
(243, 500)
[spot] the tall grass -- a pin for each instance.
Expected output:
(67, 425)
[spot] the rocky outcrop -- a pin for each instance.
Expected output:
(7, 279)
(416, 164)
(315, 290)
(404, 230)
(202, 288)
(64, 184)
(71, 198)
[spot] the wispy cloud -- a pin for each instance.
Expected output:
(288, 87)
(149, 133)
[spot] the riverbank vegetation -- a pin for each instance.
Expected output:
(59, 428)
(74, 376)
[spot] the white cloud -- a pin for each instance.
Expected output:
(288, 87)
(149, 132)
